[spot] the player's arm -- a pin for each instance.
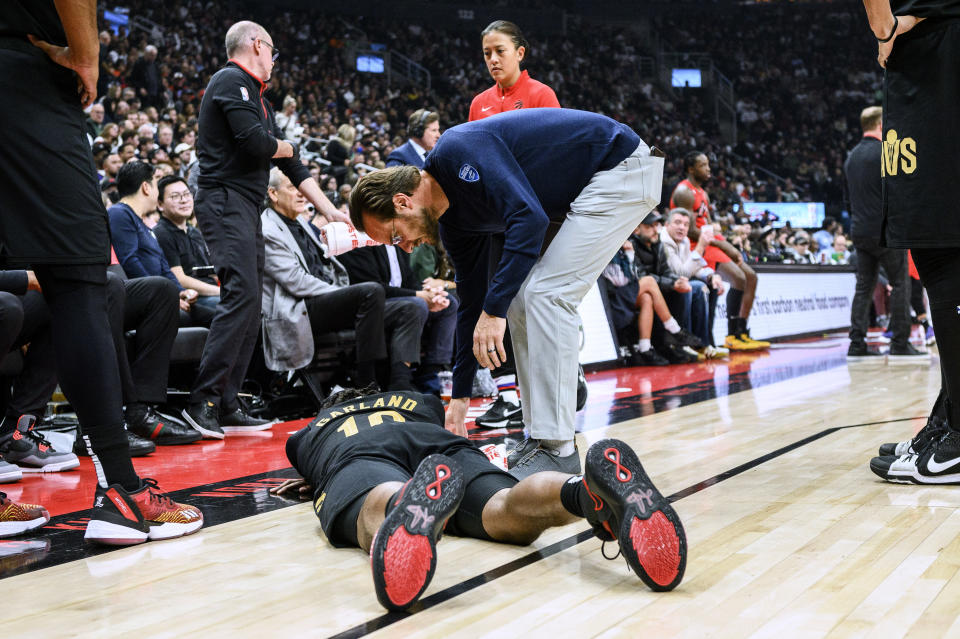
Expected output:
(884, 26)
(294, 488)
(82, 53)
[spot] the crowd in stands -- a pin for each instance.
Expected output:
(143, 131)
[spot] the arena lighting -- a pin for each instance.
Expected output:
(685, 78)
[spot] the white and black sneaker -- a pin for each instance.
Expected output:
(937, 463)
(500, 415)
(935, 428)
(29, 450)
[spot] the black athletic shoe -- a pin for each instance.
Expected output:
(685, 338)
(649, 357)
(139, 446)
(581, 388)
(858, 351)
(631, 509)
(936, 463)
(934, 429)
(205, 418)
(163, 430)
(122, 518)
(239, 422)
(677, 354)
(906, 354)
(500, 414)
(403, 555)
(520, 450)
(29, 450)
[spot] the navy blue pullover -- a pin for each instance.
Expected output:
(512, 173)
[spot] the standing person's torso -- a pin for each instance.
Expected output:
(926, 8)
(701, 202)
(37, 17)
(865, 187)
(222, 161)
(526, 93)
(487, 167)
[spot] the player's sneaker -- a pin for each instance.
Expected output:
(649, 357)
(19, 518)
(631, 509)
(28, 449)
(934, 429)
(163, 430)
(239, 422)
(581, 388)
(754, 344)
(9, 472)
(936, 463)
(685, 338)
(500, 414)
(734, 343)
(122, 518)
(403, 555)
(205, 417)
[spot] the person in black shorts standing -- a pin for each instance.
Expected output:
(53, 219)
(385, 476)
(919, 47)
(239, 138)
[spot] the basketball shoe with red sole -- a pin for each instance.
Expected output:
(647, 528)
(123, 518)
(403, 554)
(16, 519)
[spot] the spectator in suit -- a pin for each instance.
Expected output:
(136, 245)
(391, 269)
(423, 130)
(307, 293)
(145, 77)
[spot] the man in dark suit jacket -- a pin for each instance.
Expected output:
(423, 128)
(391, 268)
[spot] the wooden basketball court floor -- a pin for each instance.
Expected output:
(765, 457)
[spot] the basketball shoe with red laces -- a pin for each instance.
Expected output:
(629, 508)
(122, 518)
(403, 554)
(19, 518)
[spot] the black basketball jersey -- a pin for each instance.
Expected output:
(362, 427)
(926, 8)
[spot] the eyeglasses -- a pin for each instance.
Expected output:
(180, 197)
(394, 238)
(276, 51)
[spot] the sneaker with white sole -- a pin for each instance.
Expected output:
(9, 473)
(16, 519)
(124, 518)
(500, 414)
(937, 463)
(29, 450)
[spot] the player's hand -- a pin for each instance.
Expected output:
(904, 24)
(488, 341)
(298, 488)
(456, 417)
(87, 72)
(32, 283)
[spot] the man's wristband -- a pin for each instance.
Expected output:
(893, 32)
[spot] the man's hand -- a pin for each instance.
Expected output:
(32, 283)
(456, 416)
(87, 71)
(488, 341)
(298, 488)
(187, 297)
(434, 283)
(904, 24)
(337, 216)
(682, 285)
(284, 149)
(716, 283)
(436, 300)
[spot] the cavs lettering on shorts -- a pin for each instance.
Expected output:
(899, 155)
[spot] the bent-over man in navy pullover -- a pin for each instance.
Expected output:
(516, 173)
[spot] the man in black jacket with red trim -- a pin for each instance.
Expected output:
(238, 140)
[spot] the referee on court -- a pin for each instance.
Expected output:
(239, 138)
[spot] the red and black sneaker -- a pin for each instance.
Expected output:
(403, 554)
(647, 528)
(123, 518)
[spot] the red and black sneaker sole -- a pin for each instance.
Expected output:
(403, 556)
(647, 527)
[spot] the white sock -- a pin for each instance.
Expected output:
(644, 345)
(510, 396)
(671, 325)
(563, 447)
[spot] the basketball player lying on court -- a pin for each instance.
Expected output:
(385, 476)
